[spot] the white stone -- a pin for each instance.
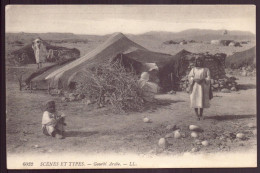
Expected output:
(162, 143)
(205, 143)
(240, 136)
(194, 127)
(146, 120)
(194, 149)
(194, 134)
(177, 134)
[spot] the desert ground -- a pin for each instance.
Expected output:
(92, 130)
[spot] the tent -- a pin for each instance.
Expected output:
(117, 46)
(241, 59)
(25, 55)
(170, 68)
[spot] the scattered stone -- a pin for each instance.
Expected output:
(169, 135)
(251, 125)
(80, 96)
(88, 102)
(172, 92)
(254, 132)
(146, 120)
(73, 98)
(197, 141)
(64, 99)
(225, 90)
(240, 136)
(170, 127)
(71, 95)
(194, 149)
(177, 134)
(233, 89)
(183, 135)
(194, 134)
(162, 143)
(36, 146)
(244, 73)
(194, 127)
(205, 143)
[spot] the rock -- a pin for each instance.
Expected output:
(194, 127)
(251, 125)
(71, 95)
(88, 102)
(197, 141)
(194, 134)
(64, 99)
(233, 89)
(36, 146)
(169, 135)
(205, 143)
(171, 127)
(72, 98)
(225, 90)
(177, 134)
(80, 96)
(162, 143)
(254, 132)
(240, 136)
(194, 149)
(146, 120)
(244, 73)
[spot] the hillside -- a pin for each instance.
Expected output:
(197, 34)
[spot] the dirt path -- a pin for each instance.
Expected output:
(96, 130)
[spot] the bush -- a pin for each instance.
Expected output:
(112, 84)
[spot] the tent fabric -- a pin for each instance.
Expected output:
(241, 59)
(116, 44)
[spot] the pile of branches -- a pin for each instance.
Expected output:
(112, 84)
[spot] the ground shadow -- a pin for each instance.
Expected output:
(246, 86)
(159, 103)
(229, 117)
(80, 133)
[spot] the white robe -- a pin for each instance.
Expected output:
(50, 122)
(200, 93)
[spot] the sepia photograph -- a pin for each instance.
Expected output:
(130, 86)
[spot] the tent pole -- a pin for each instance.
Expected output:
(49, 88)
(171, 81)
(31, 86)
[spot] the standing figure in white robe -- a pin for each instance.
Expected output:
(199, 78)
(39, 52)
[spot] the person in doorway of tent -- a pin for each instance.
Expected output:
(200, 92)
(53, 122)
(149, 87)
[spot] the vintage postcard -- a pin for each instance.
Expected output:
(130, 86)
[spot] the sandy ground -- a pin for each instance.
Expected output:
(91, 130)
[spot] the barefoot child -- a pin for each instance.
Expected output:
(53, 121)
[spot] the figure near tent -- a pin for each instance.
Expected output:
(53, 122)
(39, 52)
(200, 87)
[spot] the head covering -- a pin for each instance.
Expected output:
(49, 104)
(199, 58)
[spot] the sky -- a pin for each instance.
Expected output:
(128, 19)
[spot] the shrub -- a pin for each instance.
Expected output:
(112, 84)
